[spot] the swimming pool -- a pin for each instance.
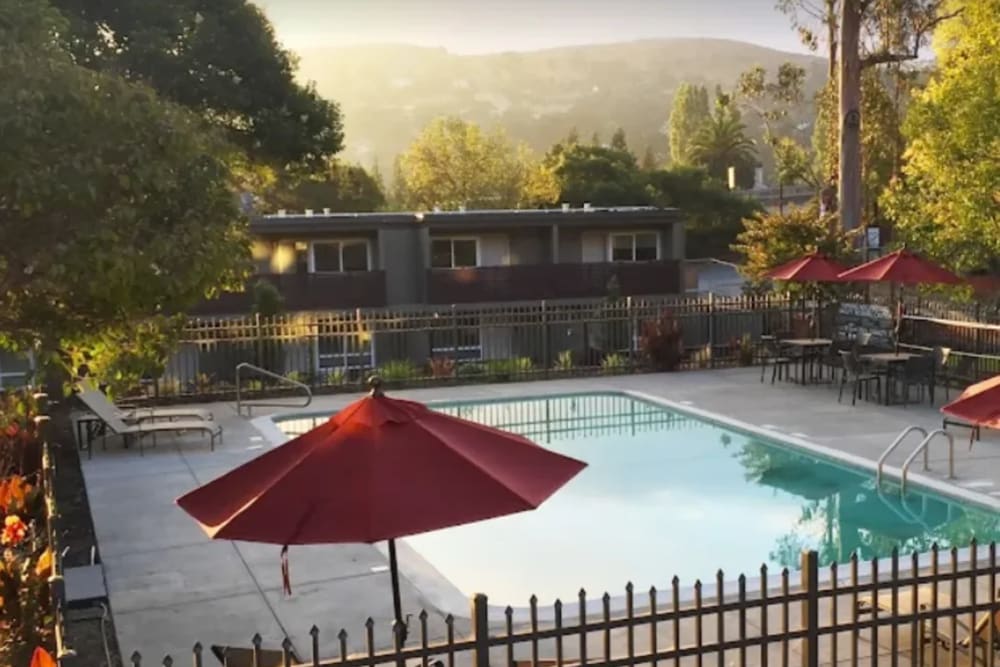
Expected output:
(665, 494)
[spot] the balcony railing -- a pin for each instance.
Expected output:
(551, 281)
(307, 291)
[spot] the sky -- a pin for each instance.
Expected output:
(490, 26)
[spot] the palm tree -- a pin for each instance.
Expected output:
(722, 142)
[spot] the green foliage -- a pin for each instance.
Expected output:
(454, 163)
(722, 142)
(220, 59)
(771, 239)
(504, 369)
(613, 363)
(948, 201)
(649, 161)
(123, 355)
(99, 231)
(618, 140)
(472, 369)
(662, 342)
(564, 362)
(689, 113)
(399, 370)
(338, 187)
(267, 299)
(745, 350)
(714, 214)
(596, 175)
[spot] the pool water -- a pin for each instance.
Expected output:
(667, 494)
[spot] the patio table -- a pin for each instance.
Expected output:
(806, 345)
(891, 360)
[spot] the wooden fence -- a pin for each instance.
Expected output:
(913, 610)
(497, 342)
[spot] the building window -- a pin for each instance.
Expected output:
(635, 247)
(454, 253)
(339, 256)
(345, 352)
(460, 340)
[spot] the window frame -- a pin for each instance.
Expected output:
(340, 243)
(451, 240)
(633, 234)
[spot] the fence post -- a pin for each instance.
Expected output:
(480, 631)
(711, 329)
(546, 343)
(809, 573)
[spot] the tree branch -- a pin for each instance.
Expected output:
(883, 57)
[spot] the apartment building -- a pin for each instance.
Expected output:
(329, 261)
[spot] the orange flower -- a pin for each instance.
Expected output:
(14, 531)
(43, 568)
(13, 491)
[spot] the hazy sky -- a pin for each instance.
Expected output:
(483, 26)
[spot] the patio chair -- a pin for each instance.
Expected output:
(831, 359)
(774, 357)
(917, 372)
(858, 376)
(137, 430)
(91, 395)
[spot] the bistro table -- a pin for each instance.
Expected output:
(889, 360)
(805, 346)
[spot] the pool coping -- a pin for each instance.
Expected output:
(447, 598)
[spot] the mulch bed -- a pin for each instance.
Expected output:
(92, 638)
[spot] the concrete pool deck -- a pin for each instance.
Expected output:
(171, 586)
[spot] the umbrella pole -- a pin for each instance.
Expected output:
(397, 605)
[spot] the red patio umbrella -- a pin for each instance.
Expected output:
(812, 267)
(381, 468)
(903, 268)
(979, 405)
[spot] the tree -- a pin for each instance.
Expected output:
(649, 162)
(618, 141)
(947, 201)
(713, 214)
(771, 239)
(597, 175)
(340, 187)
(689, 112)
(220, 59)
(861, 34)
(454, 163)
(722, 143)
(116, 205)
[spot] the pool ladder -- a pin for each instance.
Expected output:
(922, 447)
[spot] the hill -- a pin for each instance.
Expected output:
(389, 92)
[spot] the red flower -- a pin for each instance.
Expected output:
(14, 531)
(11, 430)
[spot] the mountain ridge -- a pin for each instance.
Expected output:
(388, 92)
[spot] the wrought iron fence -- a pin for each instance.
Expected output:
(911, 610)
(499, 342)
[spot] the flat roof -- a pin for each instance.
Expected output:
(302, 223)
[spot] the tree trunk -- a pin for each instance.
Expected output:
(849, 177)
(831, 39)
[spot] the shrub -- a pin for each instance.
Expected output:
(662, 342)
(564, 362)
(614, 363)
(503, 369)
(442, 367)
(470, 370)
(399, 370)
(333, 376)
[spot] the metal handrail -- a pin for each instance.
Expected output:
(266, 373)
(922, 447)
(889, 450)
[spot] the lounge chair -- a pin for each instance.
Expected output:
(975, 638)
(140, 428)
(92, 396)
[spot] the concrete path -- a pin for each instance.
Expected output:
(171, 586)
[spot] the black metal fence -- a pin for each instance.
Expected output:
(500, 342)
(899, 611)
